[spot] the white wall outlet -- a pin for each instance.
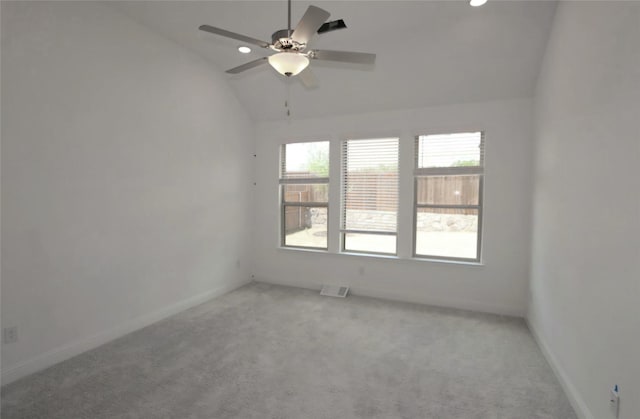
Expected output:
(614, 401)
(10, 334)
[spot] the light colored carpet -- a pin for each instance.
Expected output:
(267, 351)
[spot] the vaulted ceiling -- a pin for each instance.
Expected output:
(428, 52)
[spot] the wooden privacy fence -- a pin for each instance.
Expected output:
(379, 192)
(372, 191)
(297, 218)
(449, 190)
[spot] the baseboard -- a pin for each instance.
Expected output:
(570, 390)
(445, 303)
(79, 346)
(409, 298)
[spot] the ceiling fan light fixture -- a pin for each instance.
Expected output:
(288, 63)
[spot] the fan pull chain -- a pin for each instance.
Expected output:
(287, 101)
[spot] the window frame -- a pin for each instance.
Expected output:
(282, 182)
(448, 171)
(344, 231)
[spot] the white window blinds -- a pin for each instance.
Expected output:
(443, 153)
(369, 193)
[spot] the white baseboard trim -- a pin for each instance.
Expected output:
(79, 346)
(444, 303)
(570, 390)
(408, 298)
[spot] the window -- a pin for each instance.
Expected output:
(370, 195)
(304, 194)
(448, 175)
(443, 215)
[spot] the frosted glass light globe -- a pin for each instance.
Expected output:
(288, 63)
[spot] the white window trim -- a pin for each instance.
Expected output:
(406, 212)
(440, 171)
(342, 231)
(297, 181)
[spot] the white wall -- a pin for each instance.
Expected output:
(500, 285)
(126, 180)
(585, 276)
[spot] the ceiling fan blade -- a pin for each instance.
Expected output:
(247, 66)
(332, 26)
(308, 79)
(308, 26)
(343, 56)
(234, 35)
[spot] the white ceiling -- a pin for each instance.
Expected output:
(428, 53)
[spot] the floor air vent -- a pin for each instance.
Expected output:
(334, 291)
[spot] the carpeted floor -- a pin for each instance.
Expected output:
(267, 351)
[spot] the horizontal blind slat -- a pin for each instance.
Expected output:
(370, 185)
(450, 150)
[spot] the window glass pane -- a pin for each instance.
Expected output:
(376, 243)
(370, 194)
(448, 190)
(305, 160)
(447, 232)
(305, 193)
(305, 226)
(371, 219)
(450, 150)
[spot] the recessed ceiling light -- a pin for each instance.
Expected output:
(476, 3)
(246, 50)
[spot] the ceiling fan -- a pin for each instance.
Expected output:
(292, 56)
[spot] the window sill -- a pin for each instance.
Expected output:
(304, 249)
(448, 261)
(379, 256)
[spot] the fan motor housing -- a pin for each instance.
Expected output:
(282, 42)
